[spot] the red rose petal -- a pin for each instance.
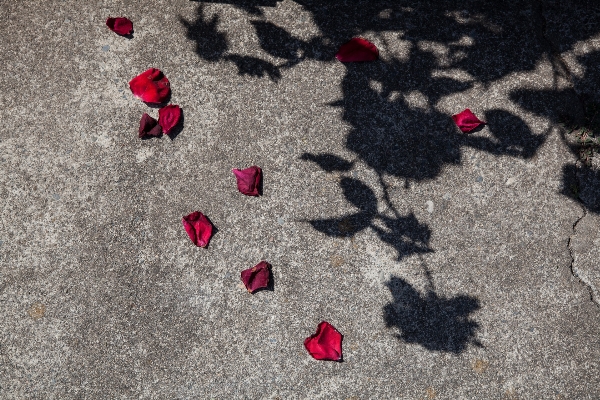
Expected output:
(168, 117)
(149, 126)
(326, 344)
(256, 277)
(121, 26)
(467, 121)
(357, 49)
(248, 180)
(198, 228)
(152, 86)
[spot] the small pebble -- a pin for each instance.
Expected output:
(429, 206)
(479, 179)
(105, 48)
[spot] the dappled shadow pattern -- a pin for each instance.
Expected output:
(579, 121)
(397, 126)
(396, 138)
(435, 322)
(212, 45)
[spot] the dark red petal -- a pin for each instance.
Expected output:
(248, 180)
(326, 344)
(122, 26)
(256, 277)
(149, 126)
(152, 86)
(467, 121)
(168, 117)
(198, 228)
(357, 49)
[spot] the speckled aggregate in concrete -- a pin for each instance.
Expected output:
(446, 260)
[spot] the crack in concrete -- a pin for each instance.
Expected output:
(587, 284)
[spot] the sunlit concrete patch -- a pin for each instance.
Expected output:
(143, 154)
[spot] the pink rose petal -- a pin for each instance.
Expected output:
(256, 277)
(198, 228)
(121, 26)
(466, 121)
(248, 180)
(168, 117)
(326, 344)
(151, 86)
(357, 49)
(149, 126)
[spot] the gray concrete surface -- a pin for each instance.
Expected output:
(456, 266)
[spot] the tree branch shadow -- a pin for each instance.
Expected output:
(404, 233)
(396, 124)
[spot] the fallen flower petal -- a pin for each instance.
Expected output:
(256, 277)
(151, 86)
(357, 49)
(121, 26)
(168, 117)
(326, 344)
(149, 126)
(466, 121)
(198, 228)
(248, 180)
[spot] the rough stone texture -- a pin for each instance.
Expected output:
(442, 258)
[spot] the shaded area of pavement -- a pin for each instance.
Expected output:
(437, 324)
(455, 265)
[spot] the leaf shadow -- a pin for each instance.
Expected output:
(254, 67)
(328, 162)
(435, 322)
(404, 233)
(210, 43)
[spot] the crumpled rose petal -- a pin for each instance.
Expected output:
(256, 277)
(149, 126)
(466, 121)
(198, 228)
(151, 86)
(357, 49)
(326, 344)
(248, 180)
(121, 26)
(168, 117)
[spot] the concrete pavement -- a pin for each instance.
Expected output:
(455, 265)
